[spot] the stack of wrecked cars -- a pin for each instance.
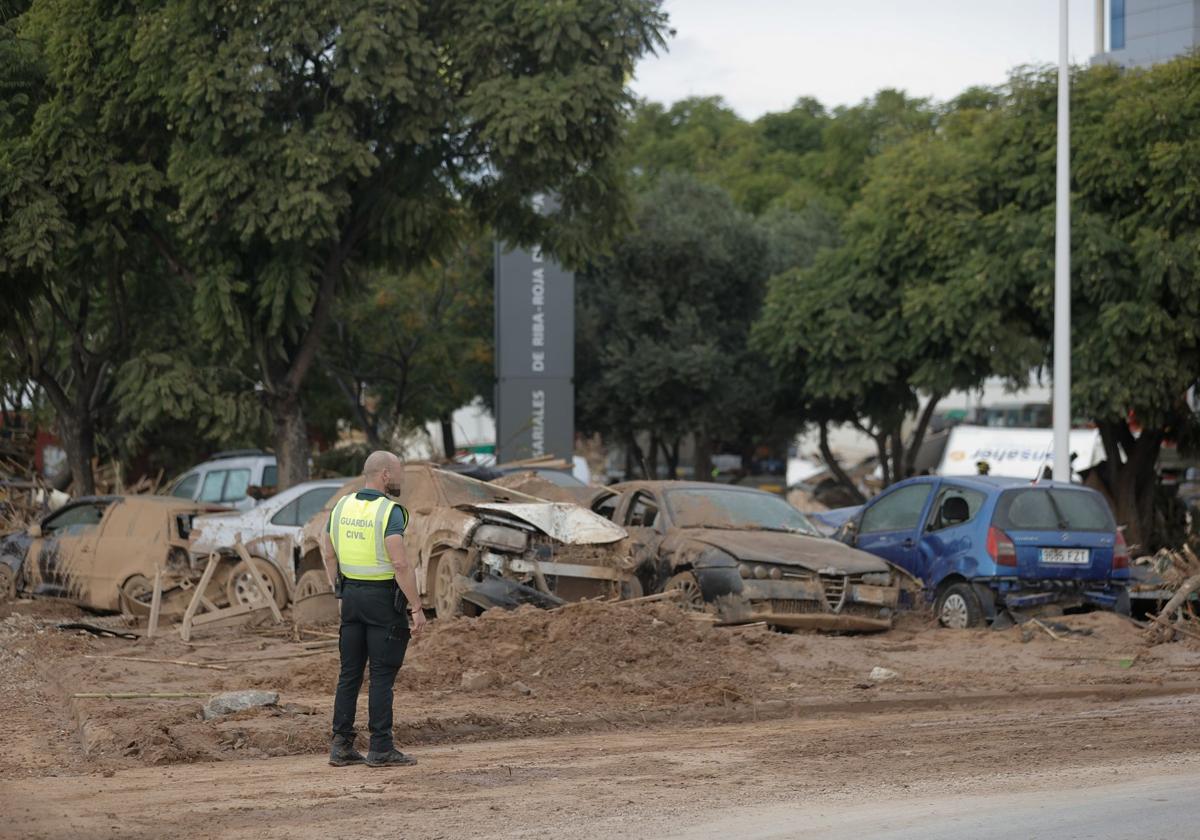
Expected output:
(477, 545)
(749, 556)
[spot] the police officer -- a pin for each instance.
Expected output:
(363, 550)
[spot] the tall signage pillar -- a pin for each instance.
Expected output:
(535, 356)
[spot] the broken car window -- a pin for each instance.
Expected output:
(735, 509)
(973, 498)
(642, 512)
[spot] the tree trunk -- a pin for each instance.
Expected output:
(448, 447)
(834, 467)
(672, 456)
(291, 441)
(702, 471)
(78, 438)
(910, 459)
(1132, 483)
(652, 460)
(897, 455)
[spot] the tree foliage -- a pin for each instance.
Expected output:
(274, 155)
(663, 321)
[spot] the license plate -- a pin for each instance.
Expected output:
(1066, 556)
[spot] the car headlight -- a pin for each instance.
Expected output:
(745, 570)
(499, 537)
(877, 579)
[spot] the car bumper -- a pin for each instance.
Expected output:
(810, 605)
(1019, 594)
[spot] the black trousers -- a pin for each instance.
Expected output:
(375, 630)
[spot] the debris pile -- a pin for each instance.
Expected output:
(1180, 572)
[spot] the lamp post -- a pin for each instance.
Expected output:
(1062, 263)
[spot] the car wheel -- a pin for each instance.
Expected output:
(8, 583)
(313, 582)
(240, 589)
(137, 588)
(447, 595)
(690, 598)
(958, 607)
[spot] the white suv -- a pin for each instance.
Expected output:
(226, 477)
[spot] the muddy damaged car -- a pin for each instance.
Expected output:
(102, 552)
(750, 556)
(477, 545)
(271, 531)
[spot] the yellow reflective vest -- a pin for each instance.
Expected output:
(357, 531)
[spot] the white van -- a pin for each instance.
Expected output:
(226, 477)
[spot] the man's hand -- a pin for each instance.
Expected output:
(418, 620)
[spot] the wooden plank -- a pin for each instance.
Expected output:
(185, 627)
(155, 606)
(142, 695)
(240, 612)
(158, 661)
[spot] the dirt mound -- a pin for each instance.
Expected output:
(653, 653)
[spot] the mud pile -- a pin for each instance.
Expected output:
(583, 654)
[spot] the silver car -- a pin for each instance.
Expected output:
(271, 530)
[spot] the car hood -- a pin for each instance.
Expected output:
(813, 553)
(567, 523)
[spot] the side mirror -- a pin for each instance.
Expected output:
(35, 530)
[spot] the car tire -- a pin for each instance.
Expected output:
(447, 599)
(958, 607)
(313, 582)
(240, 590)
(8, 584)
(691, 598)
(137, 587)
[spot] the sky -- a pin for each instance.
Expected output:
(762, 55)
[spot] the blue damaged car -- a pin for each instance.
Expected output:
(985, 544)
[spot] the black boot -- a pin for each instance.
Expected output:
(391, 758)
(342, 752)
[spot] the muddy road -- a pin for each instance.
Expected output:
(879, 772)
(634, 722)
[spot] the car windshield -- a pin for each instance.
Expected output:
(742, 510)
(1057, 509)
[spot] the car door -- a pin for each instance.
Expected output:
(66, 552)
(642, 516)
(889, 525)
(949, 545)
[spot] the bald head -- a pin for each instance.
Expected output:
(384, 472)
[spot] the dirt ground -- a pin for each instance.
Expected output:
(608, 708)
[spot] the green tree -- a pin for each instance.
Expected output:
(308, 145)
(1135, 256)
(905, 306)
(75, 183)
(413, 347)
(663, 323)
